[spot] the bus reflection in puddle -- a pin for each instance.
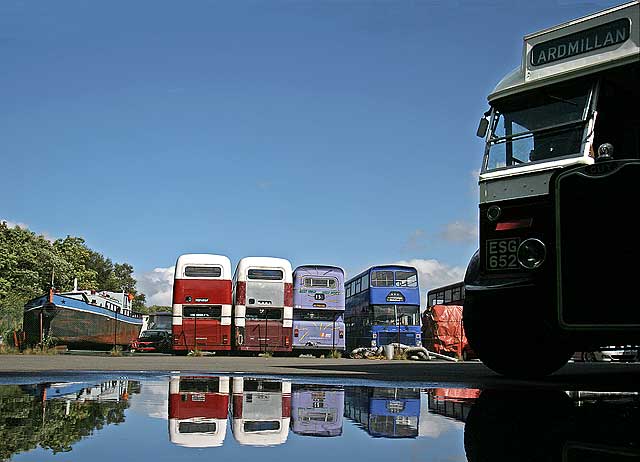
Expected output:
(198, 409)
(261, 411)
(317, 410)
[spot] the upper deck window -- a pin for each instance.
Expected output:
(251, 426)
(202, 271)
(382, 279)
(265, 274)
(320, 283)
(541, 124)
(406, 279)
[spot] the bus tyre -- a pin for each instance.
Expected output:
(513, 347)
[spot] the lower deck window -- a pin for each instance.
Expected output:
(262, 386)
(202, 311)
(403, 315)
(262, 314)
(316, 315)
(202, 385)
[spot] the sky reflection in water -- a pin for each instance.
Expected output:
(183, 417)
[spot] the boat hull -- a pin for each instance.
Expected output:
(77, 326)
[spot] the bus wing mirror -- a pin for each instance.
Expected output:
(482, 127)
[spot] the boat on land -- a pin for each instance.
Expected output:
(81, 319)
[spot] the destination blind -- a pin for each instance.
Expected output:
(595, 38)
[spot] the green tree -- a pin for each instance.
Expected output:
(29, 263)
(75, 255)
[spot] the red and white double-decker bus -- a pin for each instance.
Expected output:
(202, 303)
(198, 410)
(261, 411)
(263, 304)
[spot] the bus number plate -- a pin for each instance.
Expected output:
(502, 254)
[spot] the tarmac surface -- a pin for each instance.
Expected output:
(574, 376)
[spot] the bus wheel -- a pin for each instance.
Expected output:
(513, 347)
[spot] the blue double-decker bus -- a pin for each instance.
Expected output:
(384, 412)
(382, 307)
(318, 309)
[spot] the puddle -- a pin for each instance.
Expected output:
(196, 417)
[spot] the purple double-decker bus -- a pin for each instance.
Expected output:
(316, 410)
(318, 309)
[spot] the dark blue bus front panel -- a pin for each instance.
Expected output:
(383, 311)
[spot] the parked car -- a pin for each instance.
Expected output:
(152, 340)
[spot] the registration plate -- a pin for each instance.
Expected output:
(502, 254)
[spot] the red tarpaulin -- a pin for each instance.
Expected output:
(442, 330)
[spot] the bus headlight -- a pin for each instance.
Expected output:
(531, 253)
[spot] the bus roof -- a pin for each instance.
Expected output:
(265, 263)
(304, 268)
(382, 267)
(203, 259)
(583, 46)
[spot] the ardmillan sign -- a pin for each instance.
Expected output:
(595, 38)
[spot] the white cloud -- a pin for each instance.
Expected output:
(157, 285)
(153, 401)
(416, 240)
(460, 231)
(432, 274)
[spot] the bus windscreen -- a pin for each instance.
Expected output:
(406, 279)
(320, 283)
(382, 279)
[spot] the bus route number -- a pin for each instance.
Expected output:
(502, 254)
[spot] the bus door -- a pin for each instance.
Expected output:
(201, 327)
(263, 328)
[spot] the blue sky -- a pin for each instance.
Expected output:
(336, 132)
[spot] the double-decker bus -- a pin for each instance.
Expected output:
(263, 304)
(384, 412)
(558, 185)
(318, 308)
(317, 410)
(451, 294)
(202, 303)
(261, 411)
(442, 330)
(383, 307)
(198, 411)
